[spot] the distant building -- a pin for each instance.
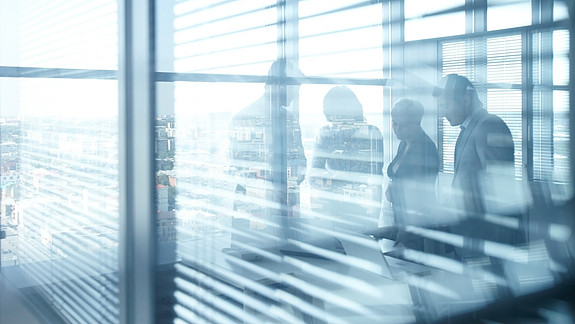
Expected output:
(162, 198)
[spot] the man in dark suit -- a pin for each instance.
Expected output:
(484, 155)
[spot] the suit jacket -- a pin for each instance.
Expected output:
(483, 147)
(412, 185)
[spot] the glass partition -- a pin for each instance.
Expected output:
(60, 187)
(303, 185)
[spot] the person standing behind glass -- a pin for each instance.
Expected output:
(412, 172)
(347, 164)
(484, 169)
(253, 139)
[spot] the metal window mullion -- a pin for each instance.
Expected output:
(278, 119)
(571, 8)
(527, 106)
(440, 131)
(136, 104)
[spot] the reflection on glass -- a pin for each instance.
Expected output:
(259, 134)
(347, 163)
(60, 157)
(60, 195)
(261, 236)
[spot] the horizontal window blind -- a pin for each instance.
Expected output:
(456, 58)
(561, 129)
(64, 220)
(341, 39)
(561, 139)
(67, 220)
(550, 106)
(236, 37)
(63, 34)
(504, 66)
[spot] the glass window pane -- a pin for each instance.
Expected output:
(551, 66)
(342, 167)
(208, 179)
(63, 199)
(226, 37)
(560, 10)
(502, 15)
(430, 19)
(561, 129)
(60, 34)
(60, 157)
(561, 57)
(340, 41)
(266, 189)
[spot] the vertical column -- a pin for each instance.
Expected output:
(137, 203)
(393, 61)
(278, 119)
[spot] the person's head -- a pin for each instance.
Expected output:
(341, 103)
(456, 98)
(406, 116)
(277, 74)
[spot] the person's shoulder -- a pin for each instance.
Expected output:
(428, 141)
(425, 145)
(493, 122)
(374, 131)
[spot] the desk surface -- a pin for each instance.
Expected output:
(340, 289)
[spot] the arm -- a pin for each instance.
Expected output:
(495, 143)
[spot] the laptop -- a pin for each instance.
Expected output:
(309, 237)
(367, 252)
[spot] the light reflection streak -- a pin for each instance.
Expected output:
(194, 292)
(233, 293)
(335, 277)
(187, 314)
(434, 287)
(261, 288)
(452, 266)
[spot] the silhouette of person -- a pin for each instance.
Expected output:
(266, 152)
(412, 172)
(347, 160)
(484, 154)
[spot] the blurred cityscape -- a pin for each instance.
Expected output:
(60, 192)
